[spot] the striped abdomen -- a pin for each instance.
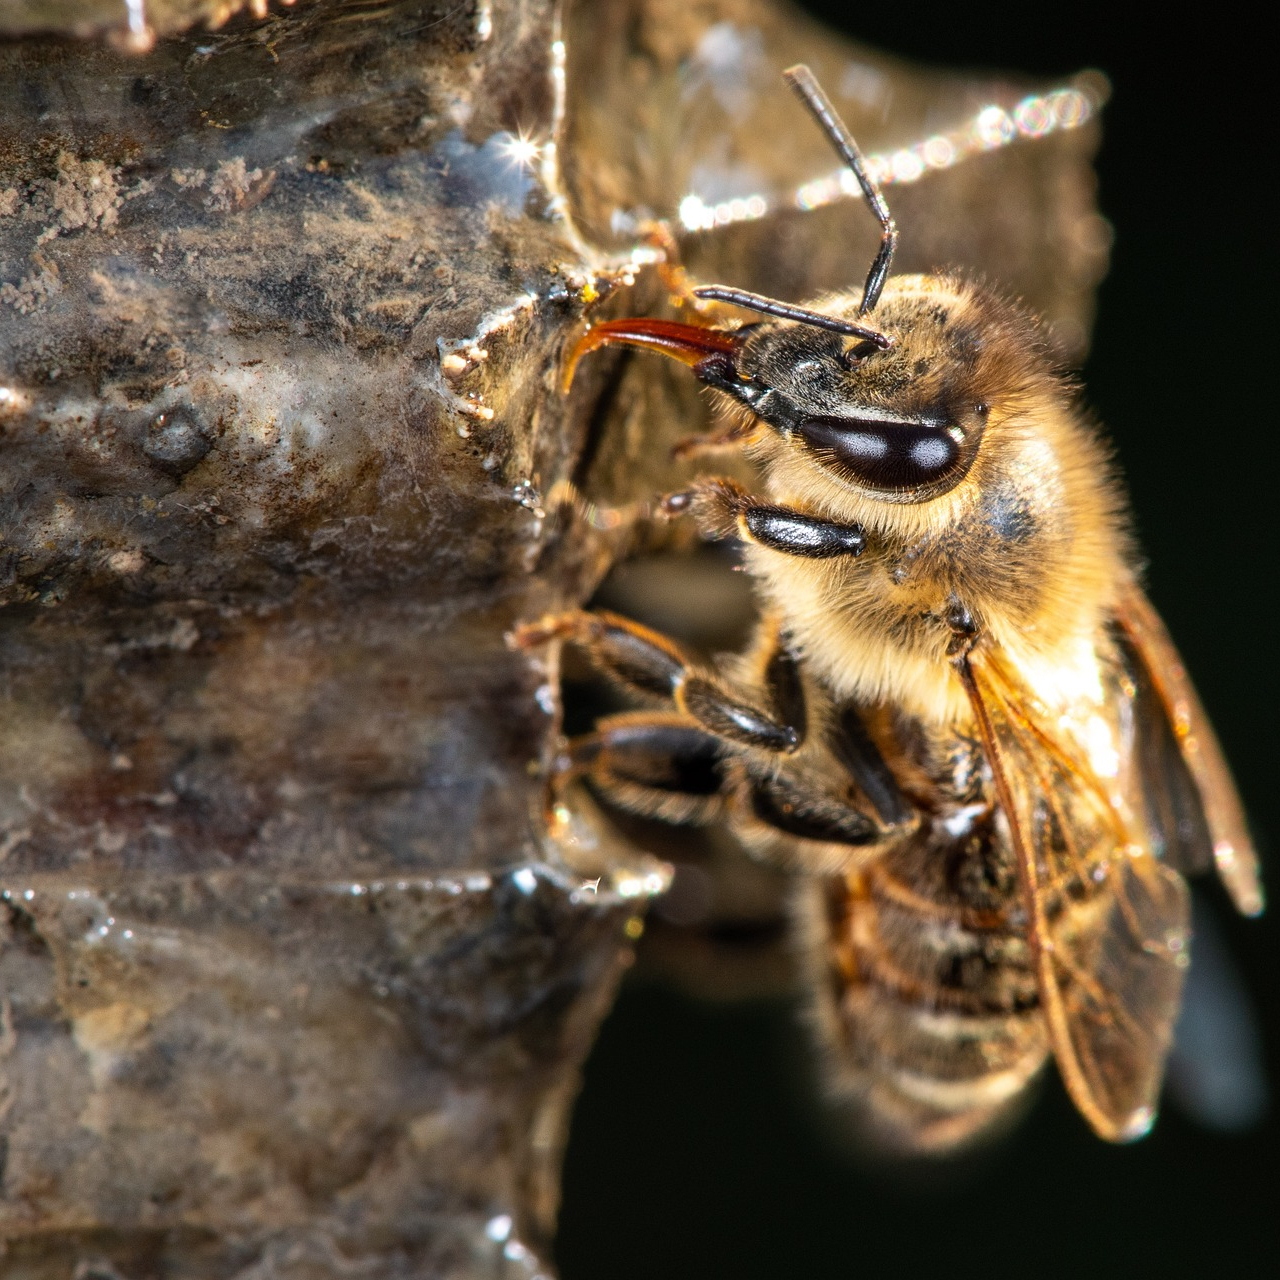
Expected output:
(926, 991)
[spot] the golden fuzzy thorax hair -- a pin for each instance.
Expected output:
(1032, 541)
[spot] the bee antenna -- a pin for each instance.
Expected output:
(786, 311)
(810, 92)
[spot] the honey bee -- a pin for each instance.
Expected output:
(960, 721)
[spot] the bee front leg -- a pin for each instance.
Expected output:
(651, 664)
(734, 436)
(723, 508)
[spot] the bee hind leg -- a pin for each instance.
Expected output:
(650, 664)
(654, 764)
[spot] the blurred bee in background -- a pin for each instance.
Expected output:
(959, 721)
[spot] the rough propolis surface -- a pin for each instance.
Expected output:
(292, 982)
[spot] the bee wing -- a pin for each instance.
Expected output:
(1107, 923)
(1184, 772)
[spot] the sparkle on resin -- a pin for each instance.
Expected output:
(520, 149)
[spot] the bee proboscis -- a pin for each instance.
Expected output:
(960, 720)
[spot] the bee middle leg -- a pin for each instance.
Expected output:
(724, 508)
(828, 821)
(654, 666)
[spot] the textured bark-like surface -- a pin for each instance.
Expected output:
(293, 984)
(130, 24)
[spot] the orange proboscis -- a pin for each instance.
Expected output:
(688, 343)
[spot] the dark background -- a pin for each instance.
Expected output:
(697, 1148)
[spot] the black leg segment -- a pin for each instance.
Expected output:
(651, 763)
(739, 722)
(786, 689)
(852, 746)
(724, 508)
(649, 663)
(800, 535)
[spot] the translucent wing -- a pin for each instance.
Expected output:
(1107, 923)
(1164, 790)
(1205, 821)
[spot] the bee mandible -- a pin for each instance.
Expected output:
(960, 721)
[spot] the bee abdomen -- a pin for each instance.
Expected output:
(932, 1012)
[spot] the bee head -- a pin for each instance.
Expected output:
(889, 393)
(903, 422)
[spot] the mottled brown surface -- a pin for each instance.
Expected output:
(293, 985)
(133, 26)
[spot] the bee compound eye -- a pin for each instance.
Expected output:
(853, 356)
(884, 454)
